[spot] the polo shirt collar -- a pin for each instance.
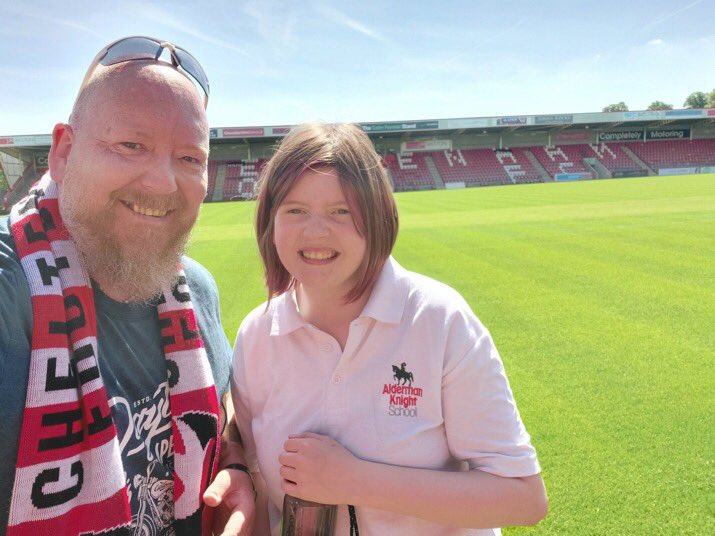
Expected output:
(386, 303)
(286, 317)
(389, 296)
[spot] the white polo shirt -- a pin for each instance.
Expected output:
(448, 406)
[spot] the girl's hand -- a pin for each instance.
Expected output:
(317, 468)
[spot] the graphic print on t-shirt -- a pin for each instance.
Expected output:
(402, 396)
(145, 442)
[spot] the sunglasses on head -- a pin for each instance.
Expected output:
(147, 48)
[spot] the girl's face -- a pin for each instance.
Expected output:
(315, 234)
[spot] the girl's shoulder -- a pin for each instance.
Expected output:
(426, 292)
(259, 316)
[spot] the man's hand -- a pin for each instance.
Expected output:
(231, 494)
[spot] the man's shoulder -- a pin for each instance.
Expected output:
(12, 277)
(8, 255)
(201, 283)
(197, 272)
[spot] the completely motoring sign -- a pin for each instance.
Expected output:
(637, 135)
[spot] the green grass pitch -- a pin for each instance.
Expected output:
(600, 296)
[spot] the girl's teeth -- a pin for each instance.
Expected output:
(317, 256)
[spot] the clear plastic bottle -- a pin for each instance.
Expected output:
(305, 518)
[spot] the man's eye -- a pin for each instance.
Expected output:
(131, 145)
(191, 160)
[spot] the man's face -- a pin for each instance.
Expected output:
(134, 180)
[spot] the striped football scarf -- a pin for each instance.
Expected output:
(69, 476)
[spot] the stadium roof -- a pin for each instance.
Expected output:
(495, 124)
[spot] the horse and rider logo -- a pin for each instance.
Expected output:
(402, 375)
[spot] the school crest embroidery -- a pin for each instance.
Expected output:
(401, 396)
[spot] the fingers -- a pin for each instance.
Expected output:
(289, 473)
(215, 493)
(235, 524)
(291, 488)
(291, 459)
(310, 435)
(296, 441)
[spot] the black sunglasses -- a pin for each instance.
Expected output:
(147, 48)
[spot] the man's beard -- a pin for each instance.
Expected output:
(137, 271)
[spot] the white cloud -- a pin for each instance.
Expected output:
(656, 42)
(342, 19)
(14, 10)
(163, 17)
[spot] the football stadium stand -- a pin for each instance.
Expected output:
(19, 189)
(409, 171)
(611, 156)
(562, 159)
(452, 153)
(240, 178)
(471, 166)
(675, 154)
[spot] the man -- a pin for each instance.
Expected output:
(112, 356)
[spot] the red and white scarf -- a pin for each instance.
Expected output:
(69, 476)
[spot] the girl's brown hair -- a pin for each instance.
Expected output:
(348, 150)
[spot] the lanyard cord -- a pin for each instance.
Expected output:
(353, 521)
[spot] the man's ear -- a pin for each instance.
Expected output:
(62, 140)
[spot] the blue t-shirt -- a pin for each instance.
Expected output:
(132, 365)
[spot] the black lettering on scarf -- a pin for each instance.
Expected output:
(53, 382)
(33, 236)
(99, 422)
(68, 418)
(187, 333)
(72, 301)
(47, 500)
(48, 271)
(181, 297)
(80, 354)
(48, 221)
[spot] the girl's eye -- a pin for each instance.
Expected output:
(294, 211)
(342, 211)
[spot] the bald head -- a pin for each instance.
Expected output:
(136, 81)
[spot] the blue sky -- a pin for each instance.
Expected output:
(283, 62)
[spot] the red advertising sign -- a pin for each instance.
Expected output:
(711, 112)
(6, 141)
(245, 132)
(579, 135)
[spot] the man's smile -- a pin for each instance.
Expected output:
(145, 211)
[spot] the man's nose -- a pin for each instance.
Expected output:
(160, 176)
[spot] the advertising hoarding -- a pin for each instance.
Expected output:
(512, 120)
(668, 134)
(398, 126)
(621, 135)
(243, 132)
(561, 119)
(474, 122)
(426, 145)
(576, 135)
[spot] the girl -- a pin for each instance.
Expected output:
(361, 383)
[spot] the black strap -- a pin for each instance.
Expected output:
(353, 521)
